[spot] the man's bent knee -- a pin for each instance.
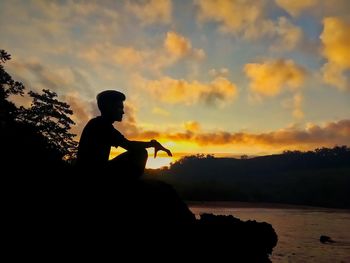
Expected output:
(139, 154)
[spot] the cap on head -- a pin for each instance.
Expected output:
(109, 97)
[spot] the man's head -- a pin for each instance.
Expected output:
(110, 103)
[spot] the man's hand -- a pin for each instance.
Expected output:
(158, 147)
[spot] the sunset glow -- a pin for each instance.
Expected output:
(222, 77)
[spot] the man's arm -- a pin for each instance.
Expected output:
(135, 145)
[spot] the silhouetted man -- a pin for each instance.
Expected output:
(99, 135)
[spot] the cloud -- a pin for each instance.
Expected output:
(108, 54)
(219, 91)
(295, 7)
(307, 138)
(180, 47)
(56, 79)
(151, 11)
(82, 111)
(223, 72)
(192, 126)
(295, 104)
(233, 16)
(40, 77)
(160, 111)
(289, 35)
(317, 8)
(269, 78)
(250, 20)
(177, 45)
(52, 26)
(154, 60)
(298, 102)
(336, 42)
(128, 126)
(129, 56)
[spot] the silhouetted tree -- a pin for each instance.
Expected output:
(41, 132)
(244, 157)
(50, 117)
(7, 87)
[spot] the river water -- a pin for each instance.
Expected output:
(298, 229)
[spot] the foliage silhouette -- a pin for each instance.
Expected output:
(33, 136)
(51, 118)
(8, 87)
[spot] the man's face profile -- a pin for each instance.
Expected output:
(117, 111)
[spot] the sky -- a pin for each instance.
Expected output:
(222, 77)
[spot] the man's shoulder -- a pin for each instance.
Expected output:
(95, 121)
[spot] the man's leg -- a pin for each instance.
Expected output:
(129, 165)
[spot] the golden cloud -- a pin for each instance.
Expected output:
(180, 46)
(177, 45)
(298, 101)
(318, 8)
(151, 11)
(57, 19)
(336, 42)
(128, 125)
(160, 111)
(173, 91)
(295, 7)
(289, 35)
(233, 15)
(250, 20)
(192, 126)
(312, 136)
(223, 72)
(82, 111)
(268, 78)
(128, 56)
(153, 60)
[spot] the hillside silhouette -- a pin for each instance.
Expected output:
(318, 178)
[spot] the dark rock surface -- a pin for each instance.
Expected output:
(326, 239)
(139, 214)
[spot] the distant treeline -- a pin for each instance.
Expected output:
(320, 177)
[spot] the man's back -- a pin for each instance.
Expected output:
(95, 143)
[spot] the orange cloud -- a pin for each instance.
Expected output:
(151, 11)
(160, 111)
(82, 111)
(268, 78)
(180, 46)
(250, 20)
(175, 47)
(336, 42)
(298, 101)
(57, 79)
(289, 35)
(319, 8)
(295, 7)
(170, 90)
(128, 56)
(128, 125)
(233, 15)
(192, 126)
(312, 136)
(223, 72)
